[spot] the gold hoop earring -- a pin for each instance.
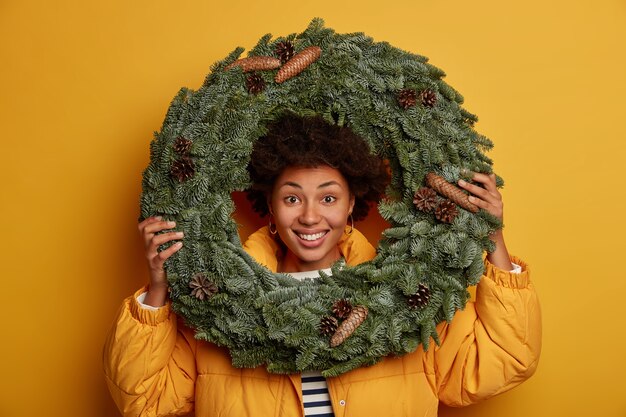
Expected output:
(349, 232)
(270, 227)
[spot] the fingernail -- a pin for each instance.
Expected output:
(159, 218)
(178, 244)
(461, 182)
(171, 224)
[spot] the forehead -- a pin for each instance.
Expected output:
(311, 176)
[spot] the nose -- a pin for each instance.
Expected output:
(309, 215)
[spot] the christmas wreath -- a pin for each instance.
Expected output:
(425, 260)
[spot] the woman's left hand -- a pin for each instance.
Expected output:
(487, 198)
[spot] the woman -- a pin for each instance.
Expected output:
(314, 179)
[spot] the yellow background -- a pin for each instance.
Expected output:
(84, 85)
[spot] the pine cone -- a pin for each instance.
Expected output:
(298, 63)
(182, 145)
(420, 298)
(446, 211)
(201, 287)
(285, 51)
(182, 169)
(407, 98)
(342, 308)
(255, 63)
(451, 191)
(328, 325)
(349, 325)
(425, 199)
(255, 83)
(428, 98)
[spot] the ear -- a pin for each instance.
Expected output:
(352, 200)
(269, 206)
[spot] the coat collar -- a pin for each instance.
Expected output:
(354, 247)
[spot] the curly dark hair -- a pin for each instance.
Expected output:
(310, 142)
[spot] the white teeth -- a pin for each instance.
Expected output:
(311, 237)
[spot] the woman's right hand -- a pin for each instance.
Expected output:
(148, 229)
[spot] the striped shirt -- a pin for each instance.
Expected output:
(315, 394)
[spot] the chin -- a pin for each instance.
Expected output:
(318, 258)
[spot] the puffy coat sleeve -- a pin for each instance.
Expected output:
(494, 344)
(149, 362)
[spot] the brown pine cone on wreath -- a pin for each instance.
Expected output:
(285, 51)
(201, 287)
(425, 199)
(428, 98)
(446, 211)
(255, 83)
(182, 145)
(451, 191)
(328, 325)
(349, 325)
(342, 308)
(407, 98)
(182, 169)
(255, 63)
(420, 298)
(298, 63)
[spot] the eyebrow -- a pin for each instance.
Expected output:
(323, 185)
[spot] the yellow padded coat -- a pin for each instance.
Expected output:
(154, 366)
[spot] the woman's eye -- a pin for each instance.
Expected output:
(291, 199)
(329, 199)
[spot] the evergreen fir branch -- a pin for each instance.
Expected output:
(273, 319)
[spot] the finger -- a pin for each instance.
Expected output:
(489, 193)
(479, 191)
(148, 220)
(153, 228)
(488, 181)
(162, 256)
(142, 228)
(493, 208)
(157, 226)
(152, 249)
(479, 202)
(158, 240)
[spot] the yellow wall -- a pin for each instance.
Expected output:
(84, 85)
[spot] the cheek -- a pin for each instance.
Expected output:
(338, 217)
(284, 216)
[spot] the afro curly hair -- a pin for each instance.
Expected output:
(310, 142)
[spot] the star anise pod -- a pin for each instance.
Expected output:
(255, 83)
(342, 308)
(425, 199)
(201, 287)
(182, 169)
(182, 145)
(428, 98)
(407, 98)
(446, 211)
(328, 325)
(285, 51)
(420, 298)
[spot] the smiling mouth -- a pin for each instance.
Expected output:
(311, 237)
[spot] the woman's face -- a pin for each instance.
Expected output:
(310, 207)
